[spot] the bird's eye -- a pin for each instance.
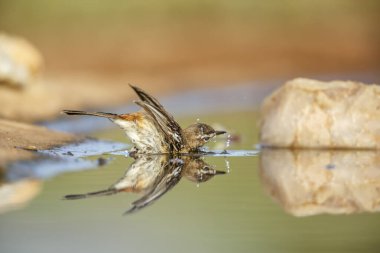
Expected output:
(206, 138)
(205, 168)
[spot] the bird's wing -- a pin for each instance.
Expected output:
(172, 176)
(170, 128)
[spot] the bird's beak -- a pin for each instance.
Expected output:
(220, 132)
(219, 172)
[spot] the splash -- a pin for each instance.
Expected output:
(228, 141)
(227, 163)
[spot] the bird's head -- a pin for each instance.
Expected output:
(199, 134)
(197, 170)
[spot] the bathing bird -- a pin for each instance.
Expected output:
(152, 130)
(153, 176)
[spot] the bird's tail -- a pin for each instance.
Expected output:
(98, 114)
(91, 194)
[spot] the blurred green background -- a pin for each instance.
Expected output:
(200, 41)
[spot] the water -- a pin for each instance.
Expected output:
(272, 201)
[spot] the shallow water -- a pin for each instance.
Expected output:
(272, 201)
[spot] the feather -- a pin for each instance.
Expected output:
(166, 123)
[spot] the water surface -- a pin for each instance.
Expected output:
(239, 211)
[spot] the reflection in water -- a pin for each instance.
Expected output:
(153, 176)
(15, 195)
(310, 182)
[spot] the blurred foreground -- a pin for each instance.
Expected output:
(229, 213)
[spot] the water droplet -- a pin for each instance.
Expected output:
(228, 141)
(227, 165)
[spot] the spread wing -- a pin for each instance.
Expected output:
(169, 127)
(173, 174)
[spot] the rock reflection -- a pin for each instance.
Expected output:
(153, 176)
(15, 195)
(311, 182)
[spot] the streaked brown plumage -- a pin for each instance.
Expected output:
(153, 176)
(154, 131)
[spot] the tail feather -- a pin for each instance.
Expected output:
(98, 114)
(91, 194)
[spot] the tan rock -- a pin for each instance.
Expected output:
(306, 113)
(20, 62)
(310, 182)
(18, 141)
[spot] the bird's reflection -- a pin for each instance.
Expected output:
(153, 176)
(310, 182)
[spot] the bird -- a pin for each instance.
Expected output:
(194, 168)
(152, 130)
(153, 176)
(142, 176)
